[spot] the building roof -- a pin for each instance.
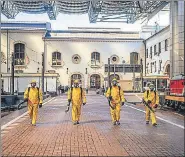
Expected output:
(93, 33)
(19, 25)
(162, 30)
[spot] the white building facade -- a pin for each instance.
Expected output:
(68, 55)
(157, 55)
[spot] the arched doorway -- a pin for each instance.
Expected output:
(167, 70)
(95, 81)
(116, 76)
(76, 77)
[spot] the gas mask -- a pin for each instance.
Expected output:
(152, 88)
(76, 85)
(33, 85)
(114, 83)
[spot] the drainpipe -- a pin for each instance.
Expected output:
(7, 62)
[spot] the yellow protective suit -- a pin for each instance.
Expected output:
(34, 99)
(77, 100)
(117, 99)
(154, 100)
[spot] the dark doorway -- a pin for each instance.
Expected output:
(95, 81)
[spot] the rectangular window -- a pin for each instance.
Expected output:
(56, 58)
(146, 53)
(151, 52)
(150, 67)
(155, 52)
(160, 65)
(159, 48)
(126, 68)
(155, 66)
(166, 45)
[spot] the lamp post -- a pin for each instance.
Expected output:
(141, 74)
(17, 85)
(114, 70)
(12, 75)
(133, 77)
(86, 85)
(43, 70)
(109, 72)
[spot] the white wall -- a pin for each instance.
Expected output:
(164, 55)
(35, 46)
(84, 49)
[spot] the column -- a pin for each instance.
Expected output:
(176, 38)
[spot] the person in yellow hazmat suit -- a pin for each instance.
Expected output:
(33, 95)
(76, 95)
(151, 99)
(116, 99)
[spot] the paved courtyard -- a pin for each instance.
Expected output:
(55, 135)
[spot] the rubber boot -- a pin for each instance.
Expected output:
(147, 122)
(154, 124)
(114, 123)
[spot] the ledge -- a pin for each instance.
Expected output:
(57, 66)
(20, 66)
(31, 75)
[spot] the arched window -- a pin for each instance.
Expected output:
(19, 50)
(95, 57)
(167, 70)
(56, 58)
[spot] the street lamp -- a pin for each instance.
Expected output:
(141, 74)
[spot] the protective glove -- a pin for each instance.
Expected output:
(26, 99)
(143, 101)
(110, 98)
(123, 103)
(84, 103)
(155, 106)
(69, 100)
(148, 102)
(40, 105)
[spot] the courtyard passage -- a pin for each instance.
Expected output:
(55, 135)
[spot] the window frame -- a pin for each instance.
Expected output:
(19, 54)
(56, 58)
(95, 56)
(151, 49)
(155, 65)
(159, 48)
(155, 49)
(147, 53)
(166, 44)
(151, 67)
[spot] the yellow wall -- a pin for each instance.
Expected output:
(126, 85)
